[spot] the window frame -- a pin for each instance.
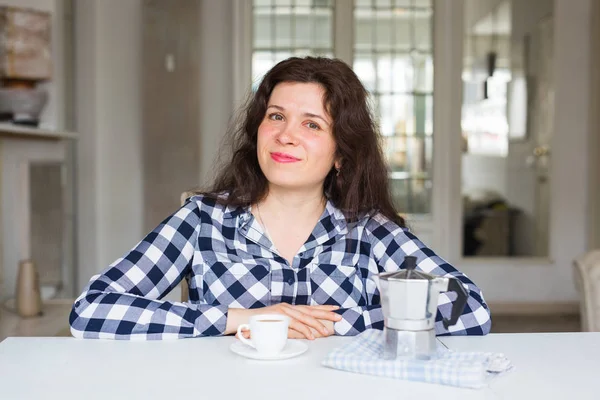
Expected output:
(439, 227)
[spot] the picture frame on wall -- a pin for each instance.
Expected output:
(25, 44)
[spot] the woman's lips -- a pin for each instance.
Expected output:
(284, 158)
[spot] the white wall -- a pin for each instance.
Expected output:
(108, 120)
(526, 14)
(475, 10)
(216, 79)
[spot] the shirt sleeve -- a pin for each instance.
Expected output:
(123, 301)
(389, 245)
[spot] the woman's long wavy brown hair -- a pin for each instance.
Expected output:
(360, 188)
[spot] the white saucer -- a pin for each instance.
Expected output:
(292, 348)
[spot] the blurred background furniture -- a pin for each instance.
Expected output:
(586, 271)
(488, 226)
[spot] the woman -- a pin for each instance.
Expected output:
(297, 223)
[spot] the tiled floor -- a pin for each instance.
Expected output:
(54, 322)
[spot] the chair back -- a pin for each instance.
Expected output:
(185, 289)
(586, 273)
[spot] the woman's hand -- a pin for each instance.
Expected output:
(308, 322)
(292, 334)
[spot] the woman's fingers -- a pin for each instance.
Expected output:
(320, 313)
(325, 307)
(327, 315)
(302, 329)
(306, 319)
(245, 334)
(293, 334)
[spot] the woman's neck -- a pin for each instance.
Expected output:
(288, 218)
(293, 206)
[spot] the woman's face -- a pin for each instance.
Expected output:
(295, 145)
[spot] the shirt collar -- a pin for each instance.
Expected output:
(331, 223)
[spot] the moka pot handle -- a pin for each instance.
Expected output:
(459, 304)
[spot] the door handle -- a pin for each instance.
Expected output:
(539, 156)
(540, 151)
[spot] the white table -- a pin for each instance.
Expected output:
(547, 366)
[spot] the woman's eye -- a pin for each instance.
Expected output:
(312, 125)
(276, 117)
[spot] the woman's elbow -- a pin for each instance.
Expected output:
(80, 316)
(486, 325)
(477, 322)
(76, 324)
(483, 322)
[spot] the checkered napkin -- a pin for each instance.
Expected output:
(462, 369)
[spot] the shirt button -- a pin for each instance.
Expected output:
(290, 281)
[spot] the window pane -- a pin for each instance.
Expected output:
(363, 4)
(303, 28)
(402, 31)
(413, 3)
(393, 58)
(383, 34)
(386, 115)
(403, 74)
(384, 73)
(422, 63)
(399, 190)
(364, 67)
(428, 144)
(420, 195)
(323, 3)
(383, 3)
(363, 30)
(263, 31)
(323, 32)
(422, 27)
(283, 28)
(261, 62)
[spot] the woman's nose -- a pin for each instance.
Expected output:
(287, 136)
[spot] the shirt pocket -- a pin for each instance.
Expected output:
(340, 285)
(237, 285)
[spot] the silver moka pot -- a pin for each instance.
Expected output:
(409, 301)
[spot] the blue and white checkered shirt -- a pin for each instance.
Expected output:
(231, 263)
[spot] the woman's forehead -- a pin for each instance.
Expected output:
(301, 96)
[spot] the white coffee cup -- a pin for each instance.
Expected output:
(268, 333)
